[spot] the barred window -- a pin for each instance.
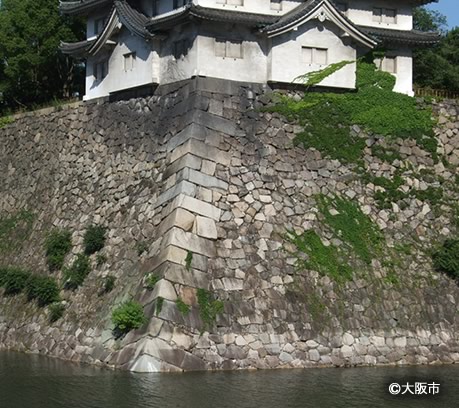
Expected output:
(386, 15)
(389, 64)
(100, 70)
(228, 49)
(231, 2)
(129, 61)
(276, 5)
(312, 55)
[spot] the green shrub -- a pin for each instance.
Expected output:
(109, 283)
(100, 259)
(15, 229)
(58, 244)
(94, 239)
(3, 273)
(183, 308)
(15, 280)
(5, 120)
(151, 281)
(159, 304)
(209, 307)
(141, 247)
(446, 259)
(56, 310)
(188, 260)
(128, 316)
(42, 288)
(75, 274)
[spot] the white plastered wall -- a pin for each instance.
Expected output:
(251, 68)
(174, 69)
(361, 13)
(286, 55)
(117, 78)
(250, 6)
(404, 68)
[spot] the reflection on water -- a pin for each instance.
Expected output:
(39, 382)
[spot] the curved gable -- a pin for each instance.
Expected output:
(322, 10)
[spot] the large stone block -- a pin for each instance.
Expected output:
(195, 206)
(202, 150)
(180, 274)
(183, 187)
(189, 242)
(178, 218)
(164, 289)
(146, 364)
(205, 227)
(192, 131)
(188, 160)
(205, 180)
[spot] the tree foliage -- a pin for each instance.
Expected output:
(32, 69)
(436, 67)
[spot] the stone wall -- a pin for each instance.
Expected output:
(210, 183)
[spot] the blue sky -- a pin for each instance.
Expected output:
(450, 8)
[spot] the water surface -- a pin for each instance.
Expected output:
(40, 382)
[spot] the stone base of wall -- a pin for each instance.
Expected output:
(210, 183)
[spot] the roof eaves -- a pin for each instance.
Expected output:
(81, 7)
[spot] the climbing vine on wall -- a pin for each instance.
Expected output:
(327, 117)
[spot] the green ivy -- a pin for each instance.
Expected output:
(209, 307)
(325, 260)
(352, 226)
(15, 229)
(57, 245)
(446, 258)
(327, 117)
(183, 308)
(315, 77)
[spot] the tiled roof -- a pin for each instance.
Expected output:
(121, 12)
(77, 7)
(76, 49)
(133, 20)
(211, 14)
(293, 15)
(411, 37)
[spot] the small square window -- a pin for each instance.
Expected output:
(228, 49)
(389, 64)
(129, 61)
(220, 48)
(377, 14)
(234, 49)
(276, 5)
(320, 56)
(100, 70)
(343, 7)
(99, 25)
(390, 16)
(306, 54)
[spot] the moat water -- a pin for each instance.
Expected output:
(28, 381)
